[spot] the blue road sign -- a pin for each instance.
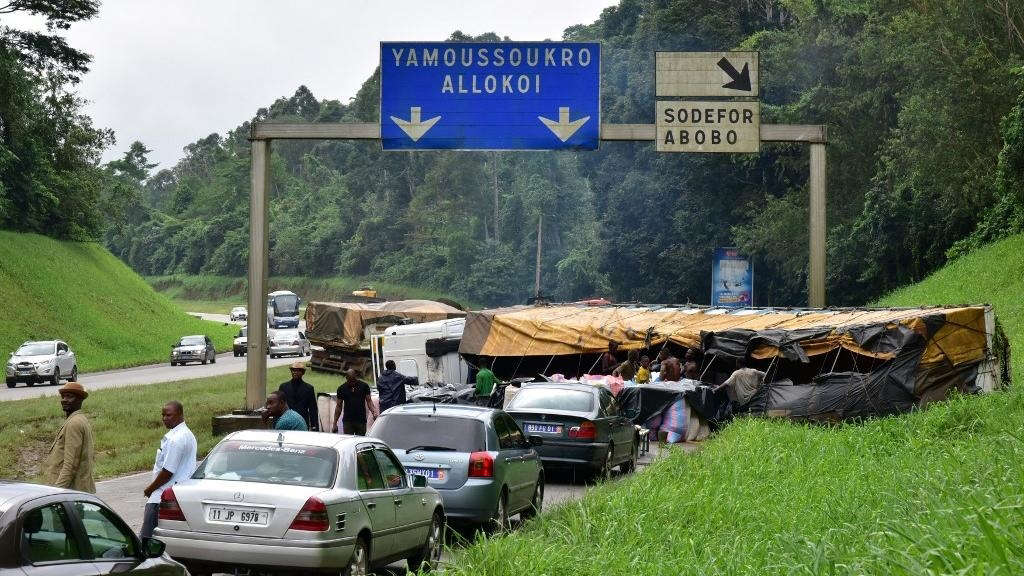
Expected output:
(732, 279)
(490, 95)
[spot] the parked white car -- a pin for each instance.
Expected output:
(303, 502)
(239, 313)
(286, 342)
(44, 361)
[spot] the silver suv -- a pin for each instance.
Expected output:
(478, 459)
(45, 361)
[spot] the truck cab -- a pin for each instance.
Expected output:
(428, 351)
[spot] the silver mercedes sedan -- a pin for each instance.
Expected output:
(305, 502)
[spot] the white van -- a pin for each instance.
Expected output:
(428, 350)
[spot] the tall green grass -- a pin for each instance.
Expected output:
(80, 293)
(126, 421)
(230, 291)
(939, 491)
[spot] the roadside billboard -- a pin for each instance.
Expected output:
(732, 279)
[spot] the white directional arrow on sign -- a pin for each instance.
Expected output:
(563, 128)
(415, 128)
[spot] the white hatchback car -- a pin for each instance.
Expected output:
(45, 361)
(239, 313)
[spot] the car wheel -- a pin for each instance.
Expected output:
(499, 520)
(11, 384)
(74, 372)
(429, 557)
(604, 473)
(537, 503)
(213, 359)
(359, 564)
(630, 465)
(55, 379)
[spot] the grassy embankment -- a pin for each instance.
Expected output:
(936, 492)
(80, 293)
(218, 294)
(126, 421)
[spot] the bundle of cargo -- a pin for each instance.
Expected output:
(831, 364)
(340, 331)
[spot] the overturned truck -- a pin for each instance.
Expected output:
(831, 364)
(341, 331)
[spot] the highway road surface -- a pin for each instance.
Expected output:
(226, 363)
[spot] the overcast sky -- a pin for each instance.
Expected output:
(168, 72)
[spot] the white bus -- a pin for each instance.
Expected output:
(283, 309)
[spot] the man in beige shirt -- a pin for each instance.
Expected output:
(70, 461)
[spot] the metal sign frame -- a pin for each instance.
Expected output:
(262, 134)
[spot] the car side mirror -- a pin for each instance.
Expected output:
(153, 548)
(419, 481)
(536, 441)
(61, 352)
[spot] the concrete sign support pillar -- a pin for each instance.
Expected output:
(256, 348)
(816, 266)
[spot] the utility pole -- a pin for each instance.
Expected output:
(540, 230)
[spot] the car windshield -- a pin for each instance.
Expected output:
(239, 309)
(243, 332)
(404, 431)
(35, 349)
(286, 305)
(192, 341)
(271, 463)
(553, 399)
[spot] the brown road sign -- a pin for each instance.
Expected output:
(689, 126)
(701, 74)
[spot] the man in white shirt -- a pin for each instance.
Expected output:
(175, 461)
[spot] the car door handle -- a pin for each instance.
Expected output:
(423, 501)
(371, 505)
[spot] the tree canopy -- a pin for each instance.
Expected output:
(923, 101)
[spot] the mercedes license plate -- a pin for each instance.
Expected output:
(544, 428)
(429, 473)
(237, 515)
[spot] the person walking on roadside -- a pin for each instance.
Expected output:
(353, 404)
(284, 417)
(175, 461)
(391, 386)
(69, 463)
(301, 397)
(485, 380)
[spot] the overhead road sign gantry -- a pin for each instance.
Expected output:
(704, 74)
(490, 95)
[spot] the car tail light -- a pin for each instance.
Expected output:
(169, 508)
(312, 517)
(585, 431)
(481, 465)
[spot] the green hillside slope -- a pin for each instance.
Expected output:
(991, 275)
(933, 492)
(80, 293)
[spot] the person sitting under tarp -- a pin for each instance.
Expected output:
(643, 373)
(742, 383)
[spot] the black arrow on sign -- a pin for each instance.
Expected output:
(740, 80)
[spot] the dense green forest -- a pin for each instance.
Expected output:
(924, 100)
